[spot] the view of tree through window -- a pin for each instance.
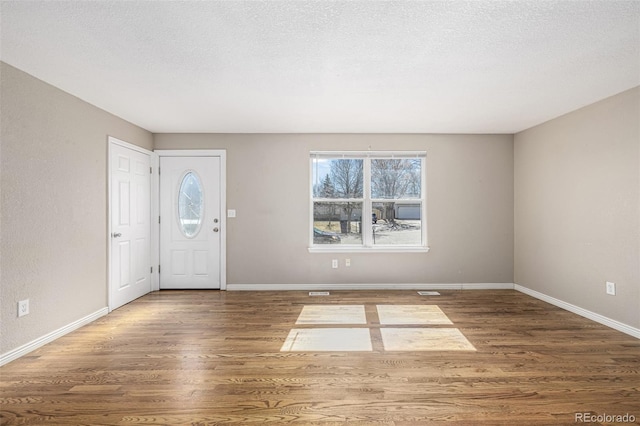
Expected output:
(368, 200)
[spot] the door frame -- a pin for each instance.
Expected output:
(222, 154)
(154, 242)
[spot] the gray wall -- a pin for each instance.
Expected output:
(53, 205)
(577, 207)
(469, 203)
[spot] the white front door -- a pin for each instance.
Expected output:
(130, 202)
(190, 222)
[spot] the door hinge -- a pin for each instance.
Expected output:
(158, 219)
(152, 269)
(150, 170)
(158, 268)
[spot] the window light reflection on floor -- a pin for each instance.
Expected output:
(421, 338)
(332, 314)
(411, 315)
(327, 340)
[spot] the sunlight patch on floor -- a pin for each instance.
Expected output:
(327, 340)
(420, 336)
(411, 314)
(424, 339)
(332, 314)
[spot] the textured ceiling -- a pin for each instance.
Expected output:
(321, 66)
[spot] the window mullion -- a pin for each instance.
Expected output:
(366, 205)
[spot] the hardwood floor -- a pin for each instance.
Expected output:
(208, 357)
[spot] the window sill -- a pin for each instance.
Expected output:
(333, 249)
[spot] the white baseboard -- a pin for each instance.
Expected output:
(601, 319)
(50, 337)
(369, 286)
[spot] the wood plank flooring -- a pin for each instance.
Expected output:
(209, 357)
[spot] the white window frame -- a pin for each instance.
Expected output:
(367, 203)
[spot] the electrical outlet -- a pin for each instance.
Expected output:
(23, 308)
(347, 262)
(334, 263)
(611, 288)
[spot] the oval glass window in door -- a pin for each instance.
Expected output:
(190, 204)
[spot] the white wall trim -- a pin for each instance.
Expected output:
(131, 146)
(190, 152)
(50, 337)
(376, 249)
(155, 226)
(601, 319)
(369, 286)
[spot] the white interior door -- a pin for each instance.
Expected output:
(130, 203)
(190, 225)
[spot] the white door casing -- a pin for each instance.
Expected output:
(191, 225)
(129, 223)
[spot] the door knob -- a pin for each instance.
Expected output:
(116, 235)
(215, 229)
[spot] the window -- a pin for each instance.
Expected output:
(190, 204)
(368, 201)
